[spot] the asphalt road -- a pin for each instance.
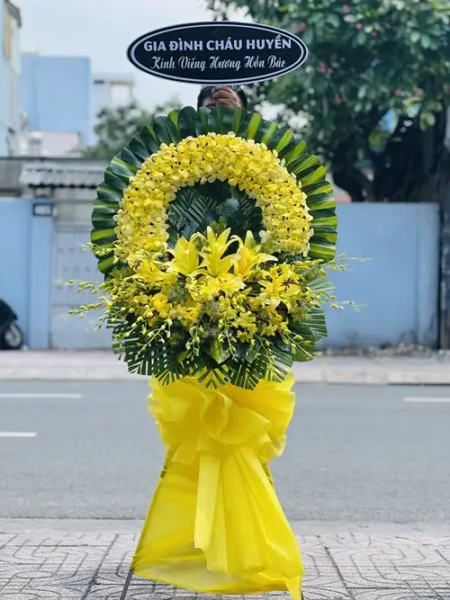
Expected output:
(90, 450)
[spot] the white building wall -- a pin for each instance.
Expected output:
(10, 117)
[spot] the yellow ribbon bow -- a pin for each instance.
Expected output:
(215, 524)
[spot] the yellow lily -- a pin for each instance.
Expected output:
(213, 262)
(249, 256)
(186, 259)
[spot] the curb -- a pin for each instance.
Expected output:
(345, 370)
(134, 527)
(344, 375)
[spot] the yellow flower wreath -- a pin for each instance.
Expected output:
(256, 170)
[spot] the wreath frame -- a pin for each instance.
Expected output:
(250, 368)
(189, 122)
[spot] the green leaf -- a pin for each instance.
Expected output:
(269, 132)
(318, 188)
(303, 165)
(238, 118)
(295, 153)
(108, 194)
(187, 122)
(427, 119)
(314, 177)
(333, 19)
(122, 169)
(253, 126)
(325, 218)
(201, 125)
(174, 116)
(216, 120)
(103, 236)
(308, 36)
(228, 119)
(322, 249)
(285, 140)
(150, 140)
(166, 131)
(131, 159)
(114, 180)
(219, 352)
(105, 209)
(100, 221)
(425, 41)
(106, 263)
(361, 38)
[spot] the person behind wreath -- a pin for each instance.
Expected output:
(229, 96)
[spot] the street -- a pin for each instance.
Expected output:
(89, 450)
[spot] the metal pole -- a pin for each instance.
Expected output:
(127, 585)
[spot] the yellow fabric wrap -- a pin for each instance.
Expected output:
(215, 524)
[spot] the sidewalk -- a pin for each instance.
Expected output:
(103, 365)
(77, 560)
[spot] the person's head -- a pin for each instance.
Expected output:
(230, 96)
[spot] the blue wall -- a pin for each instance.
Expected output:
(25, 267)
(56, 93)
(4, 95)
(398, 285)
(15, 228)
(3, 112)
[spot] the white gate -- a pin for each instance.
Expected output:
(72, 262)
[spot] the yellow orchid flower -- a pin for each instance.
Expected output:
(186, 259)
(209, 287)
(277, 292)
(161, 304)
(149, 272)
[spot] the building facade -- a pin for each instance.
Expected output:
(108, 90)
(10, 113)
(56, 97)
(61, 99)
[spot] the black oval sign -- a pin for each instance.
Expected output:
(218, 53)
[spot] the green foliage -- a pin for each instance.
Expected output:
(169, 361)
(368, 58)
(217, 204)
(116, 126)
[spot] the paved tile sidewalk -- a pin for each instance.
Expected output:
(53, 564)
(103, 365)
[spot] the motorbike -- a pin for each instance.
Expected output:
(11, 336)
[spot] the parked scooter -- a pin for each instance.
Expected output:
(11, 336)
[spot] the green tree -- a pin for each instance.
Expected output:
(370, 59)
(116, 126)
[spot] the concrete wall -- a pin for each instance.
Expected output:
(56, 94)
(398, 285)
(25, 267)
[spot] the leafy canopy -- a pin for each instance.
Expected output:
(117, 125)
(369, 59)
